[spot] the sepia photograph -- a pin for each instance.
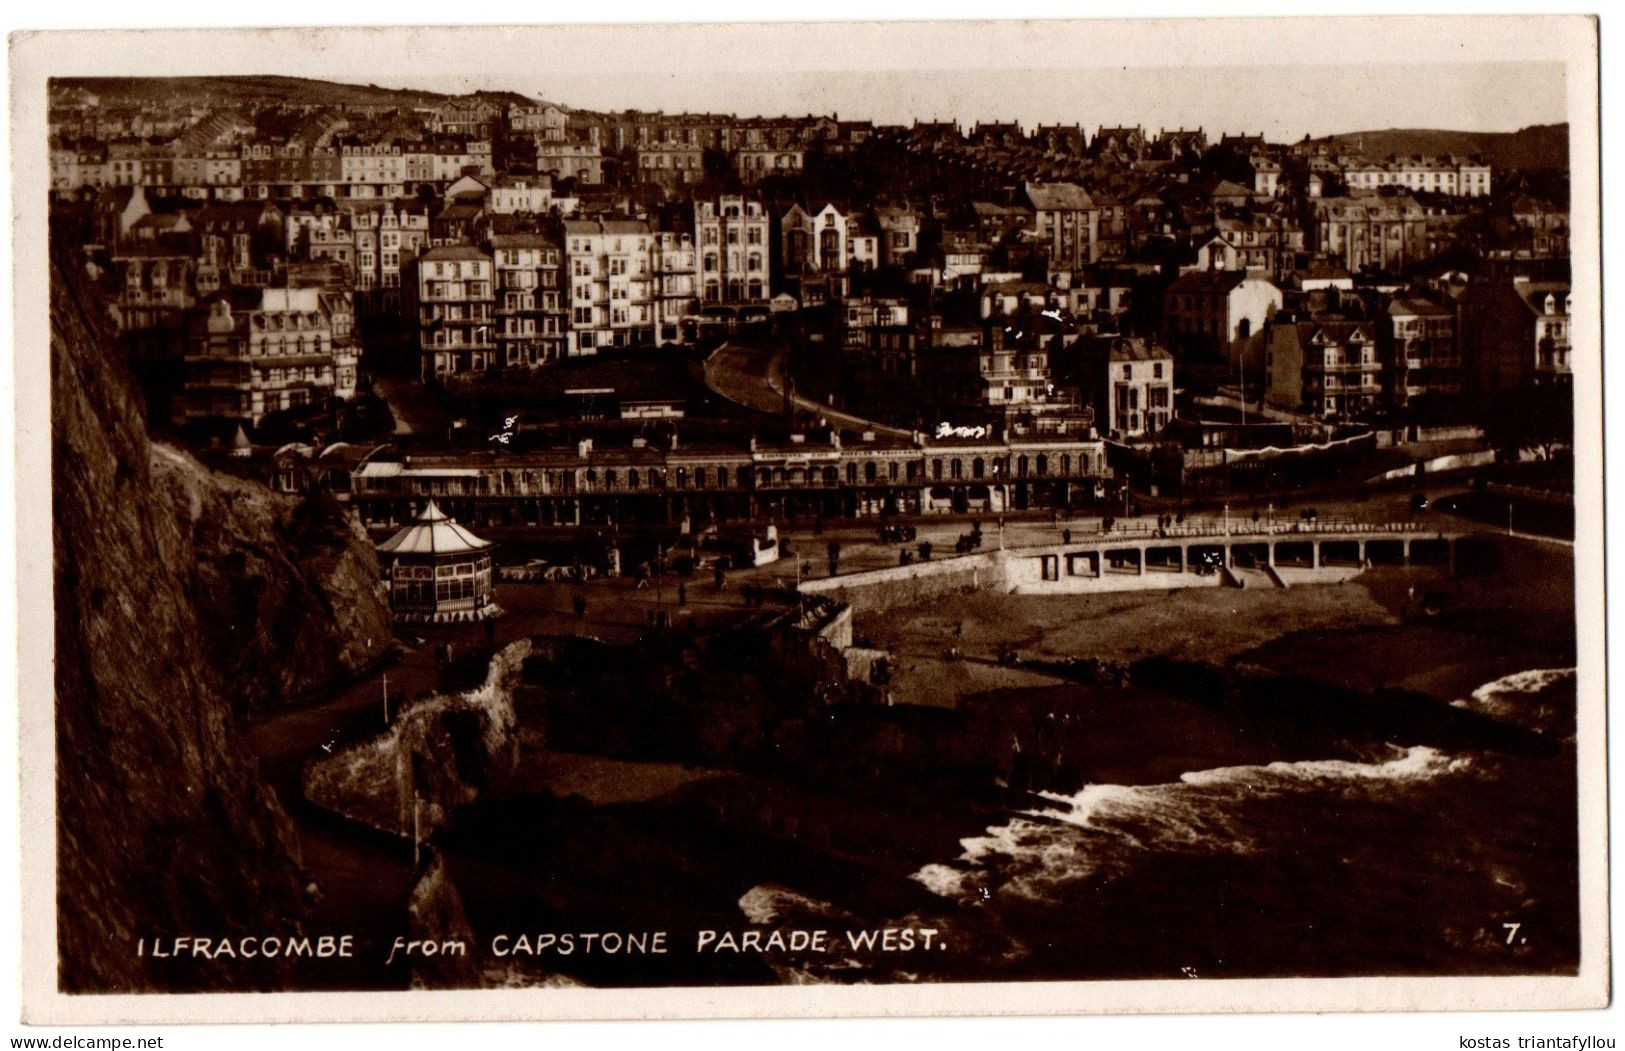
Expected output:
(832, 519)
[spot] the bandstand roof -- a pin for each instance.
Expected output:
(433, 533)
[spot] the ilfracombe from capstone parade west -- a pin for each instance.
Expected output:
(512, 538)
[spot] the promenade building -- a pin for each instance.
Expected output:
(731, 238)
(453, 300)
(610, 282)
(254, 352)
(530, 314)
(1418, 347)
(806, 474)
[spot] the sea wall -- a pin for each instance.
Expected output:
(878, 589)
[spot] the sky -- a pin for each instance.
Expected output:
(1284, 77)
(1282, 102)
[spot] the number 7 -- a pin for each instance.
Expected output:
(1512, 931)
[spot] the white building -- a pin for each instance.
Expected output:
(731, 235)
(610, 283)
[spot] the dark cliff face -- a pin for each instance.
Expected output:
(182, 598)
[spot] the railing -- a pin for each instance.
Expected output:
(1238, 527)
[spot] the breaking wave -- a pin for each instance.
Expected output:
(1103, 830)
(1540, 699)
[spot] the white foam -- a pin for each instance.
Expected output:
(1104, 826)
(1527, 683)
(766, 902)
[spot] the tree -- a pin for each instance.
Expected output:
(1536, 417)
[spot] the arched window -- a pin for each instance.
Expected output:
(609, 478)
(870, 472)
(891, 470)
(851, 473)
(832, 476)
(1066, 463)
(977, 467)
(957, 467)
(1043, 464)
(1021, 466)
(743, 474)
(936, 469)
(632, 478)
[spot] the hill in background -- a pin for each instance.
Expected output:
(1538, 147)
(234, 91)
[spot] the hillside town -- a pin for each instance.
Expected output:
(550, 317)
(1032, 534)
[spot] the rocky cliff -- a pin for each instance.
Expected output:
(182, 599)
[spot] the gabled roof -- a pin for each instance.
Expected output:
(1058, 197)
(1417, 306)
(522, 240)
(1210, 280)
(1123, 348)
(1332, 332)
(1534, 293)
(443, 252)
(606, 226)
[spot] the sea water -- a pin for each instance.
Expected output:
(1408, 860)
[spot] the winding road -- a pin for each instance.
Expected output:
(754, 377)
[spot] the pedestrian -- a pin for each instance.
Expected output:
(580, 605)
(1066, 536)
(682, 594)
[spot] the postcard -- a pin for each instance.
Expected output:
(811, 520)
